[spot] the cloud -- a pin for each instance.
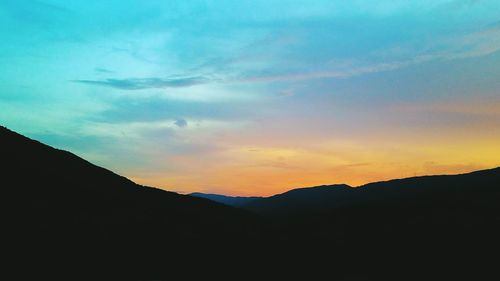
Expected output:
(431, 167)
(494, 25)
(478, 43)
(147, 83)
(356, 71)
(150, 109)
(38, 14)
(488, 108)
(460, 4)
(181, 123)
(102, 70)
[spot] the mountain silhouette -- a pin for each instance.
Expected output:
(235, 201)
(63, 215)
(303, 200)
(431, 227)
(420, 228)
(88, 217)
(481, 188)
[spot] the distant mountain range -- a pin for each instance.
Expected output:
(304, 200)
(61, 213)
(445, 190)
(235, 201)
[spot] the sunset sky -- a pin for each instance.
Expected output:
(256, 97)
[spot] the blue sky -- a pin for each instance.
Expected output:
(256, 97)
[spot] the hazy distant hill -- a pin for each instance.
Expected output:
(235, 201)
(303, 199)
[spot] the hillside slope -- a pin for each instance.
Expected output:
(480, 188)
(235, 201)
(58, 203)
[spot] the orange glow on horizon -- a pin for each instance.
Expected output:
(265, 171)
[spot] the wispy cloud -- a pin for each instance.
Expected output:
(36, 12)
(489, 108)
(475, 44)
(152, 109)
(147, 83)
(102, 70)
(356, 71)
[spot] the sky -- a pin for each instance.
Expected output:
(256, 97)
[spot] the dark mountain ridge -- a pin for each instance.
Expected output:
(480, 187)
(235, 201)
(62, 214)
(58, 203)
(303, 199)
(421, 228)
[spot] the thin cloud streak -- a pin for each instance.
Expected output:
(147, 83)
(481, 43)
(474, 44)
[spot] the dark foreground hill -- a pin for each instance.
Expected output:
(62, 212)
(235, 201)
(64, 218)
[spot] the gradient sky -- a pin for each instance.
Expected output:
(256, 97)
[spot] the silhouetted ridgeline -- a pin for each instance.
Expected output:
(424, 228)
(479, 189)
(64, 215)
(235, 201)
(415, 228)
(63, 212)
